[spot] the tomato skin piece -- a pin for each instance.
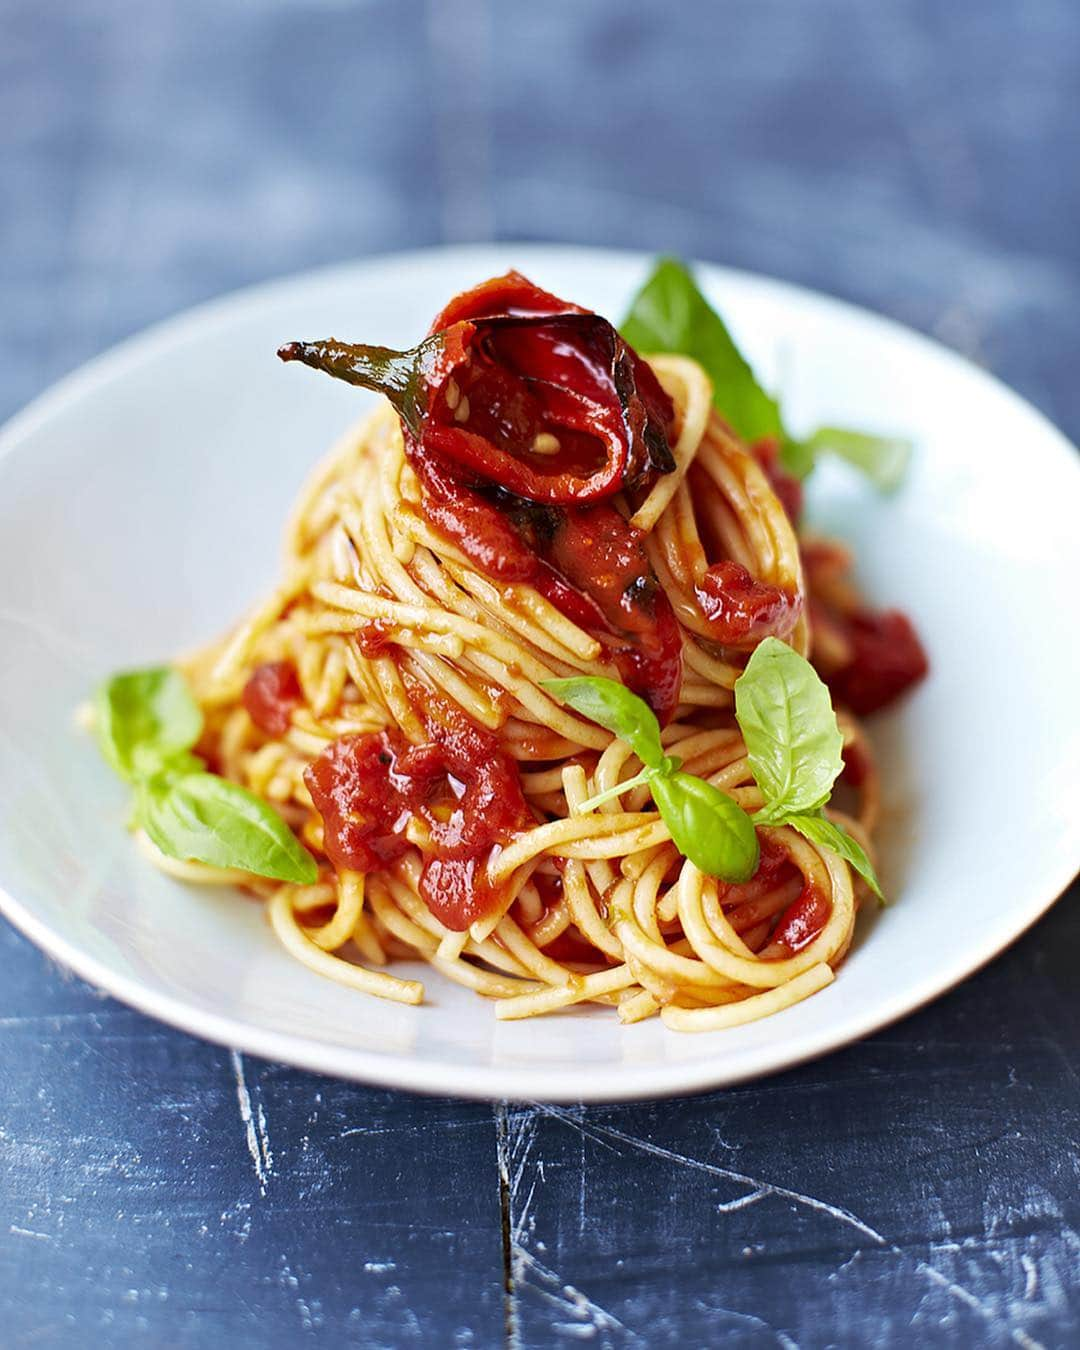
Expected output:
(373, 638)
(868, 658)
(803, 919)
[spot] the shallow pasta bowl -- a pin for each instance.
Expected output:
(141, 503)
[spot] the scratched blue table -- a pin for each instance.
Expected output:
(920, 1188)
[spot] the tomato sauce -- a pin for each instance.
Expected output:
(600, 555)
(270, 695)
(372, 639)
(460, 792)
(472, 521)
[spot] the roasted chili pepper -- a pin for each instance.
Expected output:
(604, 556)
(521, 414)
(546, 406)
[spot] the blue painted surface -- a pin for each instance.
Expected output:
(919, 1188)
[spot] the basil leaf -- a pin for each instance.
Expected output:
(612, 705)
(670, 314)
(819, 830)
(203, 818)
(143, 717)
(883, 459)
(176, 766)
(708, 826)
(787, 721)
(797, 457)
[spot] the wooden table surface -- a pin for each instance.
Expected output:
(920, 1188)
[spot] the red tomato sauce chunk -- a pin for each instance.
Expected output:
(460, 792)
(270, 695)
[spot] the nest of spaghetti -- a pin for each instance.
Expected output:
(390, 679)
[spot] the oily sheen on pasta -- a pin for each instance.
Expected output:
(387, 697)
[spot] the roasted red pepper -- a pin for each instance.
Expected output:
(522, 414)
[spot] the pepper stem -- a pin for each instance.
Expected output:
(392, 373)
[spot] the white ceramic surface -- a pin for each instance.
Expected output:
(141, 502)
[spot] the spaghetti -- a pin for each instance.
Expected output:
(387, 697)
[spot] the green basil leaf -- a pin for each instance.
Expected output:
(670, 314)
(819, 830)
(797, 457)
(203, 818)
(144, 717)
(612, 705)
(708, 826)
(787, 721)
(176, 766)
(883, 460)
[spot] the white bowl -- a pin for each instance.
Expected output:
(141, 503)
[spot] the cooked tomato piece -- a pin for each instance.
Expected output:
(741, 610)
(459, 790)
(271, 694)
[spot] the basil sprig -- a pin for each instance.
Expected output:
(612, 705)
(792, 740)
(793, 745)
(146, 722)
(707, 825)
(670, 314)
(795, 748)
